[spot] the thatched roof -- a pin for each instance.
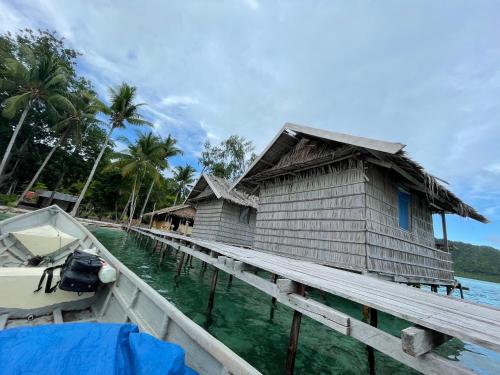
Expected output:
(210, 187)
(184, 211)
(297, 148)
(57, 196)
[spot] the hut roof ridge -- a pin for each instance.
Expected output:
(221, 188)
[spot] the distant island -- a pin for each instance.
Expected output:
(476, 262)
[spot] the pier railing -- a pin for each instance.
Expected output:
(437, 318)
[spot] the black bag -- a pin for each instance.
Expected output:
(78, 274)
(83, 262)
(76, 281)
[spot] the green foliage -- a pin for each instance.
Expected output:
(477, 262)
(229, 159)
(39, 186)
(183, 177)
(7, 199)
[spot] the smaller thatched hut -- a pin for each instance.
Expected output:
(222, 214)
(178, 218)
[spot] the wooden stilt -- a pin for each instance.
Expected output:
(371, 315)
(449, 290)
(434, 288)
(179, 266)
(230, 282)
(274, 277)
(293, 340)
(162, 256)
(211, 297)
(191, 262)
(461, 290)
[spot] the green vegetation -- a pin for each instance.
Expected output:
(56, 134)
(476, 262)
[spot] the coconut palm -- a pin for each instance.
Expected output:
(122, 110)
(183, 176)
(35, 81)
(142, 159)
(169, 150)
(70, 127)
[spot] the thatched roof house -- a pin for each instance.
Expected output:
(176, 218)
(350, 202)
(222, 214)
(47, 198)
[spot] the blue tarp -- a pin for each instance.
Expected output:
(88, 348)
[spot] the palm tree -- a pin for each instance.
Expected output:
(183, 176)
(71, 127)
(169, 150)
(142, 159)
(123, 109)
(34, 81)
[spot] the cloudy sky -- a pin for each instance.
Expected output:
(424, 73)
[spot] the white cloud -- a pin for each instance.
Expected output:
(414, 72)
(253, 4)
(175, 100)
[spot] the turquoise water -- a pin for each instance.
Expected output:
(241, 318)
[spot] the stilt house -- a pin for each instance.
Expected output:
(175, 218)
(353, 203)
(222, 214)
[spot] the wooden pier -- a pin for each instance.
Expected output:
(436, 318)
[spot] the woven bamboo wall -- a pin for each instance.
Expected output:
(207, 219)
(395, 251)
(318, 215)
(231, 230)
(218, 220)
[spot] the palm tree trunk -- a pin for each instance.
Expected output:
(126, 206)
(146, 201)
(132, 202)
(58, 184)
(74, 211)
(177, 196)
(3, 164)
(37, 174)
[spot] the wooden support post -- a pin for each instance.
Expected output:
(274, 277)
(230, 282)
(162, 256)
(370, 315)
(434, 288)
(211, 297)
(461, 290)
(293, 340)
(191, 262)
(179, 266)
(445, 234)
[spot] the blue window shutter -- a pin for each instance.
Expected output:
(404, 210)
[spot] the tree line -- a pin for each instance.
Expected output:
(56, 134)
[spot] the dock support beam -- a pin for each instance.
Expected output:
(274, 277)
(293, 341)
(370, 315)
(211, 297)
(179, 266)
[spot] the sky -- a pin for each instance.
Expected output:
(423, 73)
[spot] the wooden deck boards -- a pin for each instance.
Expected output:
(465, 320)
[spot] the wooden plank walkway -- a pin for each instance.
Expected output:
(465, 320)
